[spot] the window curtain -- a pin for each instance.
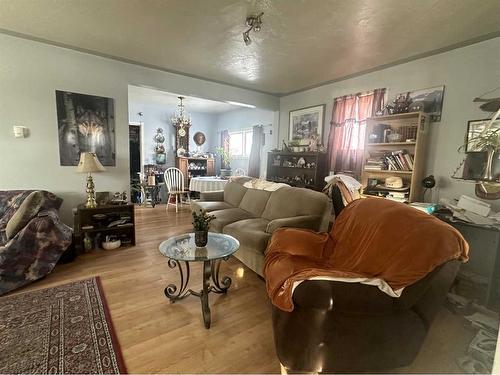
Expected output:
(254, 160)
(347, 129)
(224, 143)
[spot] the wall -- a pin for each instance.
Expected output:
(246, 118)
(158, 116)
(30, 72)
(466, 73)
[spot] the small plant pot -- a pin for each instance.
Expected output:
(201, 238)
(225, 173)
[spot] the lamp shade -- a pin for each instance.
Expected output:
(89, 163)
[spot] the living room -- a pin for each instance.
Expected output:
(249, 92)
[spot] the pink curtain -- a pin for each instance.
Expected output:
(347, 129)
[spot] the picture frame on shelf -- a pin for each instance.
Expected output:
(475, 128)
(306, 124)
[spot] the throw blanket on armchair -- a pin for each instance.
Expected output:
(371, 239)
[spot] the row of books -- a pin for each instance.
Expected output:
(397, 196)
(399, 160)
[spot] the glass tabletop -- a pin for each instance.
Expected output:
(183, 247)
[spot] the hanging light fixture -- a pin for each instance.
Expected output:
(180, 119)
(254, 23)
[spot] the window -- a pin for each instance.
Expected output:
(240, 143)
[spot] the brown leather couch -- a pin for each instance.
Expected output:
(252, 215)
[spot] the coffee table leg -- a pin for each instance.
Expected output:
(205, 308)
(171, 291)
(219, 286)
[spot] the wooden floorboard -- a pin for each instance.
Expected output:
(156, 336)
(159, 337)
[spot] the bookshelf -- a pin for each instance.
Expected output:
(390, 157)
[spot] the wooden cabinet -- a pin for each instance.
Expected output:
(300, 169)
(194, 167)
(100, 221)
(381, 154)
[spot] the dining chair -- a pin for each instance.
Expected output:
(239, 172)
(174, 181)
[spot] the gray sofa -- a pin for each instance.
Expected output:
(252, 215)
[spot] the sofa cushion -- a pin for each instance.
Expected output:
(209, 206)
(26, 211)
(254, 201)
(227, 216)
(250, 232)
(289, 202)
(233, 193)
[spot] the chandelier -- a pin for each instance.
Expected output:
(180, 119)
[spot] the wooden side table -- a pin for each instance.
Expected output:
(85, 223)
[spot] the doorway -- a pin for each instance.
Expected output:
(135, 157)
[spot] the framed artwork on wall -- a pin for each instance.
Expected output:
(428, 100)
(86, 123)
(307, 124)
(474, 129)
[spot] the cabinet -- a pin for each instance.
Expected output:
(395, 145)
(300, 169)
(100, 221)
(194, 167)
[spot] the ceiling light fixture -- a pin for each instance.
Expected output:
(180, 119)
(241, 104)
(254, 23)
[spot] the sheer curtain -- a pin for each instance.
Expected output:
(347, 129)
(254, 160)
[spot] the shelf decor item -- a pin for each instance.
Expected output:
(90, 163)
(201, 223)
(306, 124)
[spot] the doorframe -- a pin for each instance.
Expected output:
(141, 133)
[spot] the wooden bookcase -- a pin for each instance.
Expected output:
(205, 167)
(399, 123)
(282, 167)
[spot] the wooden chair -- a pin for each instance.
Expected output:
(174, 181)
(239, 172)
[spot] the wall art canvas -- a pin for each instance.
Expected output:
(307, 124)
(86, 123)
(428, 100)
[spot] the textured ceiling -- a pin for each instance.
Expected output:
(302, 43)
(151, 96)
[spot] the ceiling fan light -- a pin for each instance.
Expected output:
(246, 38)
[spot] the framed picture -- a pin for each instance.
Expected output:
(428, 100)
(475, 128)
(85, 123)
(306, 124)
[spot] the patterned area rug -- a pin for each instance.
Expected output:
(66, 329)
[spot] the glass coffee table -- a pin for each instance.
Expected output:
(181, 250)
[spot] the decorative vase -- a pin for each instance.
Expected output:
(488, 175)
(225, 172)
(201, 238)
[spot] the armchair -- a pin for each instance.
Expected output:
(361, 298)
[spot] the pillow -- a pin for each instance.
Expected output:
(26, 211)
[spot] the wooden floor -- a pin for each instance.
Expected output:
(159, 337)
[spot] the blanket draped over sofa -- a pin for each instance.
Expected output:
(371, 239)
(34, 250)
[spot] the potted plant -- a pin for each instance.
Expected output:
(226, 161)
(201, 223)
(488, 141)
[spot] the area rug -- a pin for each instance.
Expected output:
(66, 329)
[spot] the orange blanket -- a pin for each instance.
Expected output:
(371, 238)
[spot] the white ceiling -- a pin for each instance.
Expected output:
(302, 43)
(151, 96)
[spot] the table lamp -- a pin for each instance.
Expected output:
(89, 163)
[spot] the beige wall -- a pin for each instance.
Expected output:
(30, 72)
(466, 72)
